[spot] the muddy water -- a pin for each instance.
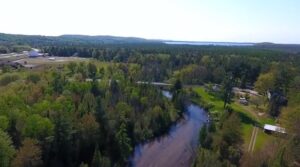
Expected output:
(175, 149)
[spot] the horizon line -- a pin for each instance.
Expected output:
(156, 39)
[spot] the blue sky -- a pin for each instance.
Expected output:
(193, 20)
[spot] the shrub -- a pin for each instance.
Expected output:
(8, 78)
(34, 78)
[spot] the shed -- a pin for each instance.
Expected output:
(272, 128)
(35, 53)
(51, 58)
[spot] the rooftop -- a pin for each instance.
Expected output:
(274, 128)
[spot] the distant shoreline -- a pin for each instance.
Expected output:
(208, 43)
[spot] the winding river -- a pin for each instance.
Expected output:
(177, 148)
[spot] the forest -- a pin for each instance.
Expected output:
(53, 116)
(62, 120)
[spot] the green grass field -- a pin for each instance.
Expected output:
(261, 139)
(208, 98)
(247, 132)
(246, 114)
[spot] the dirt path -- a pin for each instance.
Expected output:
(253, 139)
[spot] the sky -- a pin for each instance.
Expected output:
(187, 20)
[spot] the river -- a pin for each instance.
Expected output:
(177, 148)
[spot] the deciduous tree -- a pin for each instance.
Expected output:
(29, 155)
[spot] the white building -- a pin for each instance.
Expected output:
(51, 58)
(272, 128)
(35, 53)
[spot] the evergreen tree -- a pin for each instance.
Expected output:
(96, 159)
(7, 150)
(203, 135)
(124, 142)
(92, 70)
(177, 86)
(227, 90)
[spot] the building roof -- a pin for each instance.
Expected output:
(35, 53)
(274, 128)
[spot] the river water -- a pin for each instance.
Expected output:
(177, 148)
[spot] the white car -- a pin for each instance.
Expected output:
(51, 58)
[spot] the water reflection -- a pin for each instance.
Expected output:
(178, 146)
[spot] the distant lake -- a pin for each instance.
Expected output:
(208, 43)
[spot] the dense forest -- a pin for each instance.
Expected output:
(62, 120)
(94, 113)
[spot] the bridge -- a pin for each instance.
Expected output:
(154, 83)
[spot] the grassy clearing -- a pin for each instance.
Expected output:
(262, 139)
(207, 98)
(247, 132)
(247, 114)
(217, 104)
(252, 111)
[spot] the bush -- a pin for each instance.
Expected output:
(207, 106)
(4, 49)
(8, 78)
(3, 122)
(34, 78)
